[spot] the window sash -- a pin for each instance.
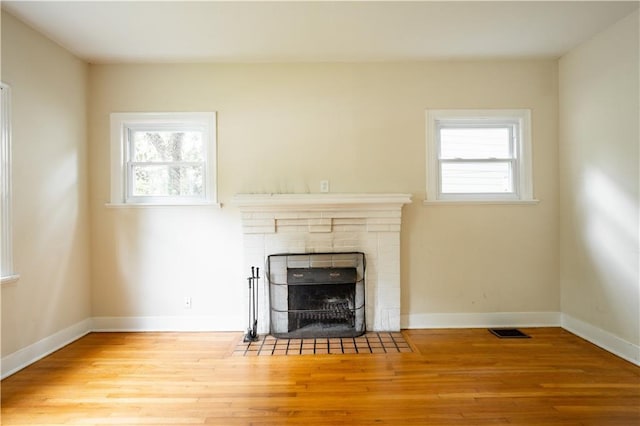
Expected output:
(132, 166)
(510, 161)
(512, 172)
(164, 128)
(132, 196)
(512, 132)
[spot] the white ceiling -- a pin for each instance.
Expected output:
(214, 31)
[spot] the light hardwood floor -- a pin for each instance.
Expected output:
(453, 377)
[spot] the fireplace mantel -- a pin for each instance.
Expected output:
(328, 201)
(330, 223)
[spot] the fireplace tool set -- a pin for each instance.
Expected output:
(252, 330)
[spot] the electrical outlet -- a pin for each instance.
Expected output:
(324, 186)
(187, 302)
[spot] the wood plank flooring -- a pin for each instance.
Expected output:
(452, 377)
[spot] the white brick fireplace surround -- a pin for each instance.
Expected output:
(318, 223)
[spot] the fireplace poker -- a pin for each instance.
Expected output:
(248, 337)
(255, 315)
(255, 277)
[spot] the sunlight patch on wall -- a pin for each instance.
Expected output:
(611, 219)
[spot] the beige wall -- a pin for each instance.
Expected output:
(283, 128)
(50, 184)
(599, 159)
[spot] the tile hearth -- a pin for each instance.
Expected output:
(369, 343)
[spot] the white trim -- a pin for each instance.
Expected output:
(10, 279)
(469, 202)
(6, 228)
(120, 124)
(169, 323)
(481, 319)
(283, 202)
(604, 339)
(601, 338)
(24, 357)
(523, 181)
(147, 205)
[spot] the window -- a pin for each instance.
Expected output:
(163, 158)
(479, 155)
(8, 273)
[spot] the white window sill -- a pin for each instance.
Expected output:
(476, 202)
(10, 279)
(152, 205)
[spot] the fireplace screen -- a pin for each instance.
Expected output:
(316, 294)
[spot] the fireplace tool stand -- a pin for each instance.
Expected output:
(252, 330)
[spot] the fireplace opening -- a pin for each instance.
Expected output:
(321, 297)
(316, 295)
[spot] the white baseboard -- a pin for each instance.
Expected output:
(478, 320)
(177, 323)
(36, 351)
(24, 357)
(604, 339)
(32, 353)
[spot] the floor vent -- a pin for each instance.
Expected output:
(509, 333)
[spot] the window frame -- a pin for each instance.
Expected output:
(7, 273)
(519, 122)
(122, 127)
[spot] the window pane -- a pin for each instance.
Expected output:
(168, 181)
(167, 146)
(475, 143)
(478, 178)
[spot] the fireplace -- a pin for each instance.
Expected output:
(328, 223)
(316, 294)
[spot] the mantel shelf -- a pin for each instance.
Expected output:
(323, 201)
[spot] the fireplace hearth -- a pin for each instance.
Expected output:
(316, 295)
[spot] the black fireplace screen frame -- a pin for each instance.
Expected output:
(342, 315)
